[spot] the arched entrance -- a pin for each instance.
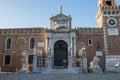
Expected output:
(60, 54)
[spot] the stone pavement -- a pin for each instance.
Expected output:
(60, 76)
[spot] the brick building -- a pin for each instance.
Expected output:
(63, 44)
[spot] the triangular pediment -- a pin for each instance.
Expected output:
(60, 16)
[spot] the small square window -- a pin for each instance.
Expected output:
(104, 13)
(90, 42)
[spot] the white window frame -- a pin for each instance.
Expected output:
(6, 43)
(29, 42)
(10, 59)
(91, 42)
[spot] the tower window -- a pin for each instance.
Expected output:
(109, 3)
(104, 13)
(90, 42)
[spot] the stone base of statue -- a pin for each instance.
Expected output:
(95, 65)
(97, 70)
(84, 69)
(24, 69)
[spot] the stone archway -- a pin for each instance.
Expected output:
(60, 54)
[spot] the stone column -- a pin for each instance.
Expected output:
(84, 61)
(34, 63)
(84, 64)
(46, 44)
(49, 62)
(69, 61)
(71, 48)
(74, 46)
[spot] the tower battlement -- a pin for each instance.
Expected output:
(21, 31)
(90, 30)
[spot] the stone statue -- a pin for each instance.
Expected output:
(23, 58)
(95, 62)
(80, 52)
(34, 51)
(96, 67)
(24, 69)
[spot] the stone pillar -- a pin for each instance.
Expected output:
(69, 61)
(71, 50)
(49, 62)
(84, 64)
(46, 44)
(74, 46)
(34, 63)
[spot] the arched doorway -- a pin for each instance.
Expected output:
(60, 54)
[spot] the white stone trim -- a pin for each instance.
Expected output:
(6, 43)
(110, 56)
(35, 42)
(23, 39)
(105, 40)
(91, 42)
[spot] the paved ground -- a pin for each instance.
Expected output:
(61, 76)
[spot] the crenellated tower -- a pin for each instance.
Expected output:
(108, 18)
(108, 13)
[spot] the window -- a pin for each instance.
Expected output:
(32, 43)
(30, 59)
(118, 12)
(90, 42)
(7, 60)
(109, 12)
(104, 13)
(109, 3)
(8, 43)
(98, 48)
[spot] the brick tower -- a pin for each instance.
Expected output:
(108, 18)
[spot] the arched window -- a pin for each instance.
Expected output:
(8, 43)
(32, 43)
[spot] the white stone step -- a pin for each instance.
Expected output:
(60, 71)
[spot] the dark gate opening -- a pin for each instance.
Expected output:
(60, 55)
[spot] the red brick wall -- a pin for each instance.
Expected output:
(97, 36)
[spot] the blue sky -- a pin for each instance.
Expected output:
(36, 13)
